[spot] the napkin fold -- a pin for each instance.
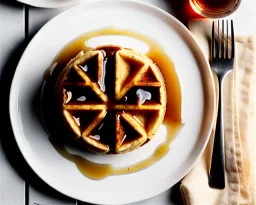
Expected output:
(239, 104)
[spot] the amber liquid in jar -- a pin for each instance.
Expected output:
(172, 119)
(214, 8)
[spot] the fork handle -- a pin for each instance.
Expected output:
(217, 171)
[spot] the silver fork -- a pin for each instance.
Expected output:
(222, 62)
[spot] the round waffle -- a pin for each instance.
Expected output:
(113, 99)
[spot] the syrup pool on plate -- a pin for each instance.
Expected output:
(172, 119)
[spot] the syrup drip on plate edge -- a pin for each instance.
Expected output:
(172, 119)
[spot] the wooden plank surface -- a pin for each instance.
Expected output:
(12, 185)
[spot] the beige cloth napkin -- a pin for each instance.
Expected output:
(239, 129)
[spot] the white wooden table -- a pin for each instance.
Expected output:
(18, 23)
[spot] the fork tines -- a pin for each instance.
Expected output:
(221, 44)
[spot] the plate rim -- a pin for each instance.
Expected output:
(144, 4)
(58, 5)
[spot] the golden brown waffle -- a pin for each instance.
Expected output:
(113, 99)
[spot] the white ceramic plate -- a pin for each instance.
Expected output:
(52, 3)
(197, 93)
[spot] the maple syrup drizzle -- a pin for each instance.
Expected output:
(172, 119)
